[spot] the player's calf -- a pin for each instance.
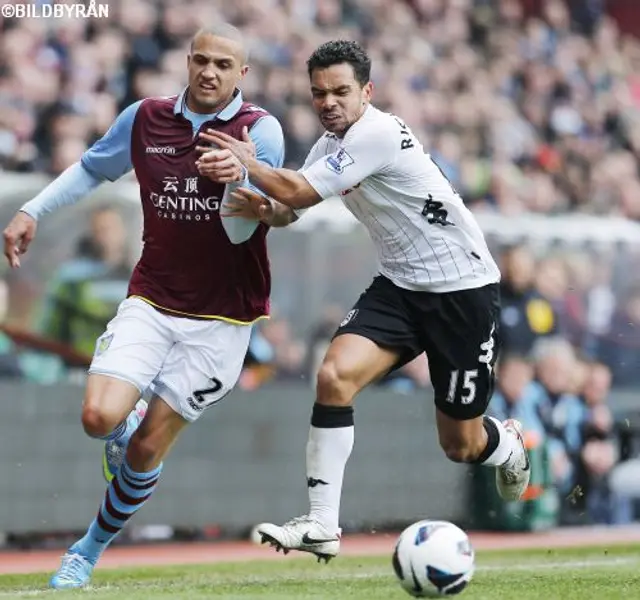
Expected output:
(463, 451)
(125, 495)
(488, 442)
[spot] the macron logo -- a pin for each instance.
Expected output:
(161, 150)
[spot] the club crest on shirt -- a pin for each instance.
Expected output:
(339, 161)
(103, 343)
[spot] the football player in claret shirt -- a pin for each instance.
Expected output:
(181, 335)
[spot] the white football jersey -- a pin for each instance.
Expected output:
(426, 238)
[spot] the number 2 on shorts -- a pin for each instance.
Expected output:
(203, 396)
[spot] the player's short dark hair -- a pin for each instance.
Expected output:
(342, 51)
(223, 30)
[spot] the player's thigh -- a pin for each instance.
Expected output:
(132, 351)
(107, 400)
(376, 336)
(352, 362)
(203, 366)
(461, 337)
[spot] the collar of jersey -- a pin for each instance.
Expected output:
(226, 114)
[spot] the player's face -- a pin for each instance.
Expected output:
(216, 67)
(338, 98)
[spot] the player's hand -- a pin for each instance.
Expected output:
(248, 204)
(17, 237)
(244, 149)
(221, 166)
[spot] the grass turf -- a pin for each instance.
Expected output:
(584, 574)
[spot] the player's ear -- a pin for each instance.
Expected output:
(244, 70)
(368, 91)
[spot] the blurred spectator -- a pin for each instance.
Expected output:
(526, 314)
(85, 293)
(552, 287)
(590, 303)
(621, 350)
(287, 354)
(258, 367)
(562, 412)
(516, 396)
(600, 454)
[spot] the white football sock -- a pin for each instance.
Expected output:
(508, 448)
(328, 450)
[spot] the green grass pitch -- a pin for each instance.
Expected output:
(580, 574)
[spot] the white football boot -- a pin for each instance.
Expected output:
(302, 533)
(512, 478)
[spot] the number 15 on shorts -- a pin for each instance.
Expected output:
(462, 386)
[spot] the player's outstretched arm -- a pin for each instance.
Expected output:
(74, 183)
(109, 158)
(265, 142)
(248, 204)
(286, 186)
(362, 153)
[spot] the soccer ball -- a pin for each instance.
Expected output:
(433, 559)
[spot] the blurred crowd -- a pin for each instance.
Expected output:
(563, 402)
(527, 105)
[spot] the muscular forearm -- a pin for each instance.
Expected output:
(286, 186)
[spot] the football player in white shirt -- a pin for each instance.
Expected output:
(437, 291)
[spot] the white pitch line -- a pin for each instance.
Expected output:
(539, 566)
(567, 564)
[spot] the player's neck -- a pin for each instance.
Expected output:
(208, 110)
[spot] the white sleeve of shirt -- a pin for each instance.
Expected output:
(314, 154)
(365, 150)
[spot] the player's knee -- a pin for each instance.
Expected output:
(334, 386)
(96, 421)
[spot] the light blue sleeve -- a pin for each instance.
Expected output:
(66, 189)
(268, 138)
(267, 135)
(110, 157)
